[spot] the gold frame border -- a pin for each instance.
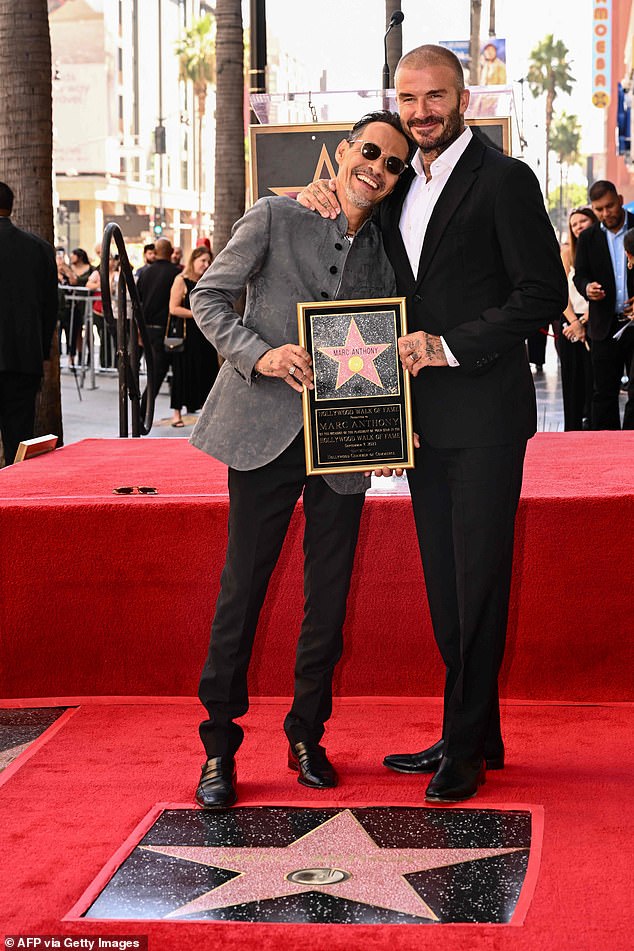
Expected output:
(398, 303)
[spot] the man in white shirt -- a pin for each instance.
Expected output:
(472, 248)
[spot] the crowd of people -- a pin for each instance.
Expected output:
(164, 292)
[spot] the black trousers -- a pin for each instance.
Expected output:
(17, 410)
(576, 382)
(261, 503)
(464, 503)
(610, 360)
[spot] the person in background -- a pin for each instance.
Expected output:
(574, 350)
(196, 367)
(154, 286)
(602, 277)
(177, 257)
(76, 275)
(149, 257)
(28, 314)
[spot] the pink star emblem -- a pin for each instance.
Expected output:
(338, 858)
(355, 356)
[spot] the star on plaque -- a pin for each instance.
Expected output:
(323, 169)
(355, 356)
(337, 858)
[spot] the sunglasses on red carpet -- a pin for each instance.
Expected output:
(135, 490)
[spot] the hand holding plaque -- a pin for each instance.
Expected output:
(358, 416)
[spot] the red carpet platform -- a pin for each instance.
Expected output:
(70, 806)
(109, 595)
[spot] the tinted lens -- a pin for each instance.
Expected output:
(394, 165)
(124, 490)
(372, 152)
(148, 490)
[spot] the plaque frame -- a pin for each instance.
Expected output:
(348, 412)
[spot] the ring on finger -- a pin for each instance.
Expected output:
(292, 370)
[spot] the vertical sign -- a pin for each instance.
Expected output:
(601, 53)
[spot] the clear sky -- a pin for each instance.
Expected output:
(345, 37)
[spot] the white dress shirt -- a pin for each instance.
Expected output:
(421, 200)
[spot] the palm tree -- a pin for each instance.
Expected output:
(230, 144)
(548, 74)
(26, 148)
(196, 52)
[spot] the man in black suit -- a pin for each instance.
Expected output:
(474, 251)
(154, 285)
(602, 277)
(28, 314)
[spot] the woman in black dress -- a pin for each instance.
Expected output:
(196, 367)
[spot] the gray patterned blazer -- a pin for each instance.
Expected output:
(281, 253)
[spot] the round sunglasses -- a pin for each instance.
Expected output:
(371, 152)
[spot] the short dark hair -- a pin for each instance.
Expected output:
(628, 241)
(380, 115)
(598, 189)
(149, 247)
(6, 197)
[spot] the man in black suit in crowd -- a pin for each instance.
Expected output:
(602, 277)
(473, 250)
(28, 314)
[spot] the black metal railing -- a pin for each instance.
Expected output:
(127, 334)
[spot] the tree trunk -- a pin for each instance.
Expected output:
(26, 148)
(230, 174)
(395, 38)
(201, 101)
(550, 98)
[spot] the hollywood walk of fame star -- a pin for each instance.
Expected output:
(323, 169)
(373, 875)
(356, 356)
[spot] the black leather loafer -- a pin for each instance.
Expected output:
(217, 785)
(456, 780)
(428, 761)
(312, 764)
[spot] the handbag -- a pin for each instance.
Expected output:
(175, 332)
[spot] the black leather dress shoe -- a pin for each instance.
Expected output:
(217, 786)
(456, 780)
(428, 761)
(312, 764)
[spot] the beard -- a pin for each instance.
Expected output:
(452, 127)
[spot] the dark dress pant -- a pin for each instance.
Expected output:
(611, 359)
(261, 503)
(464, 503)
(18, 392)
(576, 382)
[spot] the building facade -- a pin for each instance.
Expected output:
(125, 126)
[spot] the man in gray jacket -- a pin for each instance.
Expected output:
(282, 254)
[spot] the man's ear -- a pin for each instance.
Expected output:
(341, 150)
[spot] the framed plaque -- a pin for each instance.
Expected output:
(358, 417)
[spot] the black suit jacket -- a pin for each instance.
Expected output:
(593, 263)
(28, 299)
(490, 274)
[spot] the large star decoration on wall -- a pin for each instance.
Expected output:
(355, 356)
(338, 858)
(323, 169)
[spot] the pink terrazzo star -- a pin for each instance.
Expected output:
(355, 356)
(339, 845)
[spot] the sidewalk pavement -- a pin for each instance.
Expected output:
(96, 414)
